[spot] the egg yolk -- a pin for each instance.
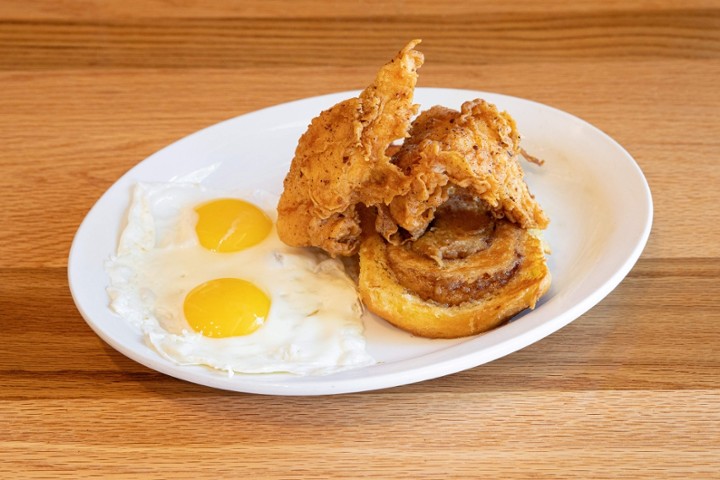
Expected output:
(226, 307)
(229, 225)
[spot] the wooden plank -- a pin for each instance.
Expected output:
(615, 434)
(467, 39)
(101, 9)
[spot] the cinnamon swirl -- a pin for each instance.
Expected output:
(468, 273)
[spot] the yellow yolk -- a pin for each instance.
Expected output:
(226, 307)
(230, 225)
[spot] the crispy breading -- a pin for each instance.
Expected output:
(341, 161)
(447, 224)
(477, 148)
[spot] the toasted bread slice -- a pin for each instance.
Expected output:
(450, 298)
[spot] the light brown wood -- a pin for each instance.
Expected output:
(475, 37)
(629, 390)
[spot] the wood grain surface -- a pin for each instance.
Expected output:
(629, 390)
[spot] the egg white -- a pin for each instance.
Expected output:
(314, 326)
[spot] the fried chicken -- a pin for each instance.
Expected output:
(478, 149)
(341, 161)
(445, 226)
(342, 165)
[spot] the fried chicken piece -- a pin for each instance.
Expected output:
(341, 161)
(477, 149)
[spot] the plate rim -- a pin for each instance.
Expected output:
(303, 386)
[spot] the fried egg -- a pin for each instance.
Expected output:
(203, 276)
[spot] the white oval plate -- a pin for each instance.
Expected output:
(593, 191)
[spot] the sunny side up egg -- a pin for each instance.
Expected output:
(206, 280)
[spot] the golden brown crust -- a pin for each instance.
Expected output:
(476, 148)
(503, 274)
(341, 161)
(444, 222)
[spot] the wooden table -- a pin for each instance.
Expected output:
(629, 390)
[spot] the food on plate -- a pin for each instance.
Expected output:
(204, 277)
(477, 148)
(467, 274)
(447, 230)
(341, 161)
